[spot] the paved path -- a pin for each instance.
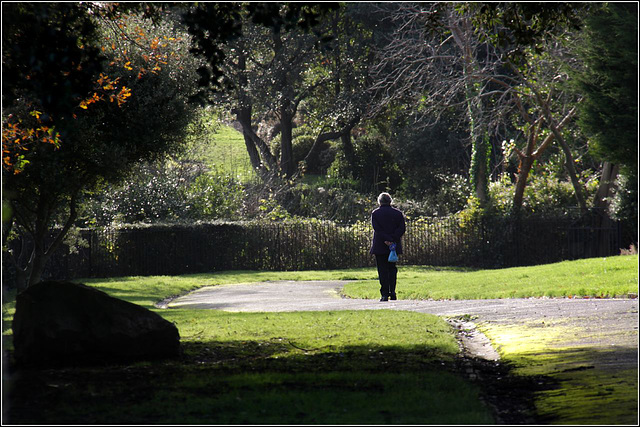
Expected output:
(597, 322)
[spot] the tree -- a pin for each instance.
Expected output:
(447, 57)
(609, 84)
(119, 115)
(266, 76)
(343, 101)
(433, 55)
(609, 112)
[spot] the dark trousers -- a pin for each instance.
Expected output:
(387, 273)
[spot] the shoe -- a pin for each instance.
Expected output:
(384, 299)
(393, 297)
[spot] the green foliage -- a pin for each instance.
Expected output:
(153, 192)
(130, 115)
(522, 25)
(430, 157)
(609, 82)
(329, 199)
(545, 195)
(304, 137)
(168, 191)
(303, 140)
(471, 216)
(215, 195)
(375, 168)
(49, 56)
(608, 113)
(270, 209)
(447, 195)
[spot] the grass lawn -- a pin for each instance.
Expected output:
(346, 367)
(276, 368)
(594, 277)
(371, 367)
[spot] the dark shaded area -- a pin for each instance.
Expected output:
(159, 392)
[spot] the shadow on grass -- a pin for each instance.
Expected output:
(257, 382)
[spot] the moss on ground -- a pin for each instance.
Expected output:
(594, 384)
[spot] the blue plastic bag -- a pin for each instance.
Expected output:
(393, 256)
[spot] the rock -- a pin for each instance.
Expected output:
(64, 323)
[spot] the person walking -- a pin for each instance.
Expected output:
(388, 228)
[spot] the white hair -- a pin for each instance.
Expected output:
(384, 199)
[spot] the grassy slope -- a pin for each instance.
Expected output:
(226, 150)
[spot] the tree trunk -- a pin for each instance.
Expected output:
(461, 32)
(523, 173)
(287, 164)
(347, 148)
(529, 156)
(259, 155)
(32, 273)
(39, 261)
(478, 172)
(244, 118)
(344, 134)
(565, 148)
(526, 162)
(7, 225)
(601, 203)
(577, 187)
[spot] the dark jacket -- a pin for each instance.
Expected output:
(388, 225)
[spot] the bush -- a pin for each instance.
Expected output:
(449, 196)
(624, 205)
(319, 163)
(545, 195)
(215, 195)
(329, 200)
(168, 191)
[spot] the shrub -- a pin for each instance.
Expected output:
(545, 195)
(168, 191)
(215, 195)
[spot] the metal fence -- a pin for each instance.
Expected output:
(184, 249)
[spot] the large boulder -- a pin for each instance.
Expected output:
(64, 323)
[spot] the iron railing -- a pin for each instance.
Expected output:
(318, 245)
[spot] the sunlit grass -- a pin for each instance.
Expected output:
(594, 277)
(319, 332)
(226, 151)
(588, 389)
(317, 367)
